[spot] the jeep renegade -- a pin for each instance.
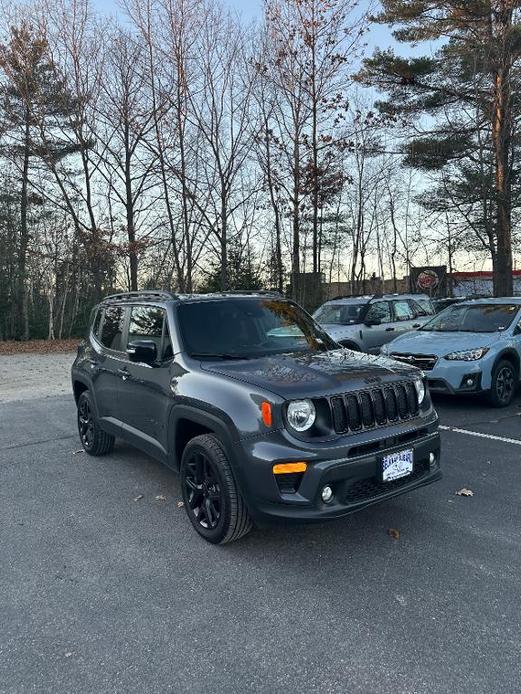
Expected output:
(265, 417)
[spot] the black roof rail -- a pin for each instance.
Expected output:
(143, 294)
(252, 292)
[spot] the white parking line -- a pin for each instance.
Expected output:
(504, 439)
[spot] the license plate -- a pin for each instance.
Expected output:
(397, 465)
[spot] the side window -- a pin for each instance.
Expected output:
(379, 311)
(149, 323)
(418, 309)
(112, 330)
(96, 322)
(427, 306)
(403, 311)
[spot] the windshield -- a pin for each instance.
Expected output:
(340, 314)
(248, 327)
(484, 318)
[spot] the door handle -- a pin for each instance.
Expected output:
(417, 325)
(123, 373)
(389, 330)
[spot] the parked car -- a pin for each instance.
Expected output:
(262, 414)
(441, 304)
(471, 347)
(366, 323)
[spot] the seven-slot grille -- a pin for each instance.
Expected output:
(426, 362)
(374, 407)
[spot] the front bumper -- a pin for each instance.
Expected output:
(456, 377)
(353, 472)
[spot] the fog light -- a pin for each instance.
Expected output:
(327, 494)
(470, 381)
(432, 458)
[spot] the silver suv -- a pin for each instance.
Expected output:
(365, 323)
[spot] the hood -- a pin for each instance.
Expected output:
(437, 343)
(314, 375)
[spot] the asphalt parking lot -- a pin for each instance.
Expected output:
(106, 588)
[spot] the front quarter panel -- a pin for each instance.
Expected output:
(231, 400)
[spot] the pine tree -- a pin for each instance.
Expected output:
(33, 103)
(469, 86)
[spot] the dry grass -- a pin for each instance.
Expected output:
(39, 346)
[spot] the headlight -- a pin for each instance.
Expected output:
(468, 354)
(301, 414)
(420, 390)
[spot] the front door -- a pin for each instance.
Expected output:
(144, 393)
(374, 336)
(405, 319)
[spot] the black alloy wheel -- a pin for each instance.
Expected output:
(94, 440)
(503, 384)
(85, 423)
(212, 501)
(203, 491)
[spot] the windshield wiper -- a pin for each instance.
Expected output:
(216, 355)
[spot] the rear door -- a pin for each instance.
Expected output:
(375, 336)
(144, 393)
(107, 360)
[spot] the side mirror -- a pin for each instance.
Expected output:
(371, 322)
(144, 351)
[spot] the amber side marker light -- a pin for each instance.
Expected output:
(287, 468)
(267, 416)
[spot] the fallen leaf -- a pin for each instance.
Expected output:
(180, 504)
(465, 492)
(160, 497)
(395, 534)
(138, 497)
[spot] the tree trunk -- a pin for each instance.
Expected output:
(295, 254)
(502, 135)
(22, 319)
(224, 245)
(129, 205)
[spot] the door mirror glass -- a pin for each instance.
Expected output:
(372, 321)
(144, 351)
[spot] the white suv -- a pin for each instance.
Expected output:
(365, 323)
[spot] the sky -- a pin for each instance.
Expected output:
(379, 36)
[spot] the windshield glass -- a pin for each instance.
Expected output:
(340, 314)
(484, 318)
(248, 327)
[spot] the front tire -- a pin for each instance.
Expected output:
(94, 440)
(504, 382)
(211, 499)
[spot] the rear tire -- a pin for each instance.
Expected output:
(212, 501)
(94, 440)
(504, 384)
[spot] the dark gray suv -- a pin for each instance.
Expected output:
(264, 416)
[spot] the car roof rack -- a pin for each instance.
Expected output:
(250, 292)
(145, 294)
